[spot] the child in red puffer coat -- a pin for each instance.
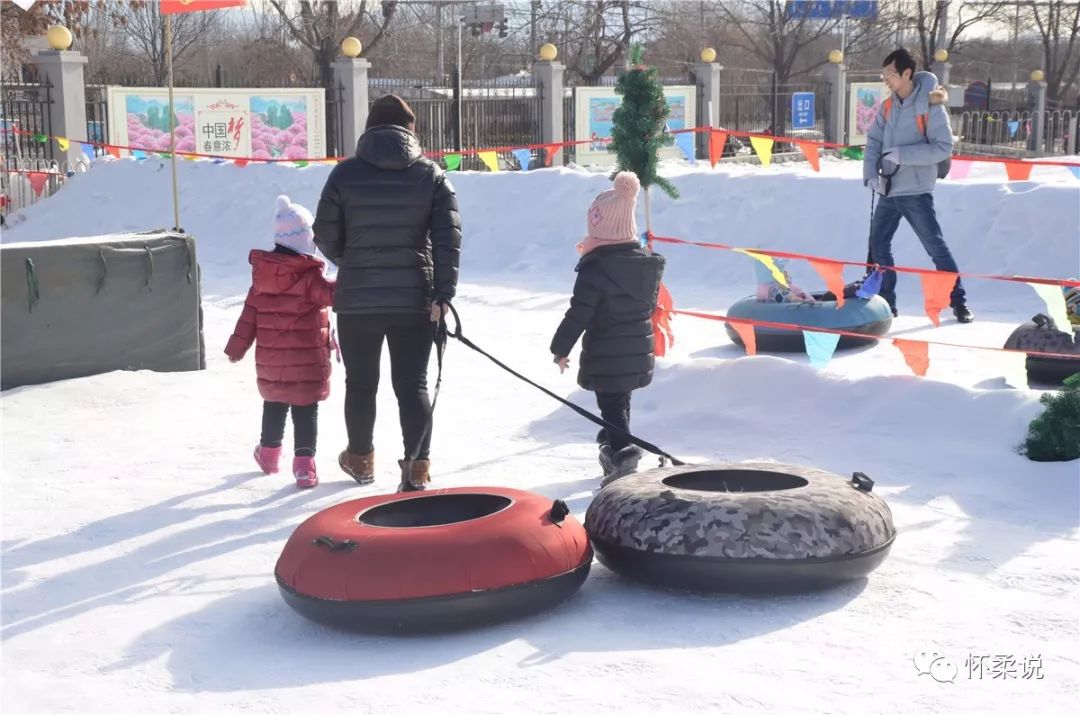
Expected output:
(286, 317)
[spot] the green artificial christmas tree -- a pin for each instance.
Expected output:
(638, 127)
(1054, 436)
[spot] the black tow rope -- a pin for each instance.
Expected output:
(441, 334)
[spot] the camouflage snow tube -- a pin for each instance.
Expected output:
(1042, 335)
(740, 527)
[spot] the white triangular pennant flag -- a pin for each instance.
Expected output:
(1013, 366)
(25, 4)
(1054, 298)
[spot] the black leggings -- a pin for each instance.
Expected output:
(305, 419)
(615, 408)
(410, 338)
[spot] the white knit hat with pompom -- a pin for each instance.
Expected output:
(292, 227)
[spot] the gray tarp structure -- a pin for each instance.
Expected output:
(84, 306)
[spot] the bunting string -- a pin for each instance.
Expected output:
(842, 333)
(763, 145)
(1064, 282)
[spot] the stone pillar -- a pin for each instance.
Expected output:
(67, 113)
(836, 74)
(1037, 89)
(708, 76)
(549, 76)
(352, 74)
(942, 70)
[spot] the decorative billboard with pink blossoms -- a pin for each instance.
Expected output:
(864, 102)
(241, 123)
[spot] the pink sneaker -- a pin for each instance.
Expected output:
(267, 458)
(303, 468)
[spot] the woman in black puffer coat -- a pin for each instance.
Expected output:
(614, 299)
(388, 219)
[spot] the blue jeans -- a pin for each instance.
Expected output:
(918, 209)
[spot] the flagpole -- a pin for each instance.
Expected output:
(172, 121)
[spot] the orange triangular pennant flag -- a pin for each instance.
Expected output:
(37, 181)
(936, 289)
(717, 140)
(549, 153)
(916, 354)
(1018, 170)
(833, 273)
(663, 336)
(810, 151)
(241, 162)
(746, 332)
(114, 150)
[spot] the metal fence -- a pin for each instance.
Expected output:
(498, 112)
(765, 108)
(335, 122)
(97, 118)
(748, 106)
(26, 180)
(24, 110)
(1014, 133)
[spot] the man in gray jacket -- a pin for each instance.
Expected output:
(910, 137)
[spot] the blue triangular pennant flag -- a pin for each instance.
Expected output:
(870, 286)
(524, 156)
(89, 151)
(820, 346)
(1075, 171)
(1014, 126)
(219, 161)
(685, 141)
(139, 154)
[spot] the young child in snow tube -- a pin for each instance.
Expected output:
(863, 312)
(286, 316)
(615, 296)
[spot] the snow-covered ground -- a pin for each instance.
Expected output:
(139, 541)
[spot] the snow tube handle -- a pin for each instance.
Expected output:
(559, 512)
(1042, 320)
(328, 542)
(862, 482)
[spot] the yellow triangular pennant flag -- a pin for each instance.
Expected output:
(490, 159)
(768, 262)
(63, 143)
(763, 147)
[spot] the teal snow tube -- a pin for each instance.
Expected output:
(871, 318)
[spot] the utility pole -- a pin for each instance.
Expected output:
(440, 54)
(534, 46)
(942, 38)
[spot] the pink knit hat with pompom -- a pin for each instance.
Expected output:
(611, 216)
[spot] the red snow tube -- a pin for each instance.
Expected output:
(433, 561)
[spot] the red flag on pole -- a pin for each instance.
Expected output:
(174, 7)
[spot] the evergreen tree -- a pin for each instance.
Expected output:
(1054, 436)
(638, 125)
